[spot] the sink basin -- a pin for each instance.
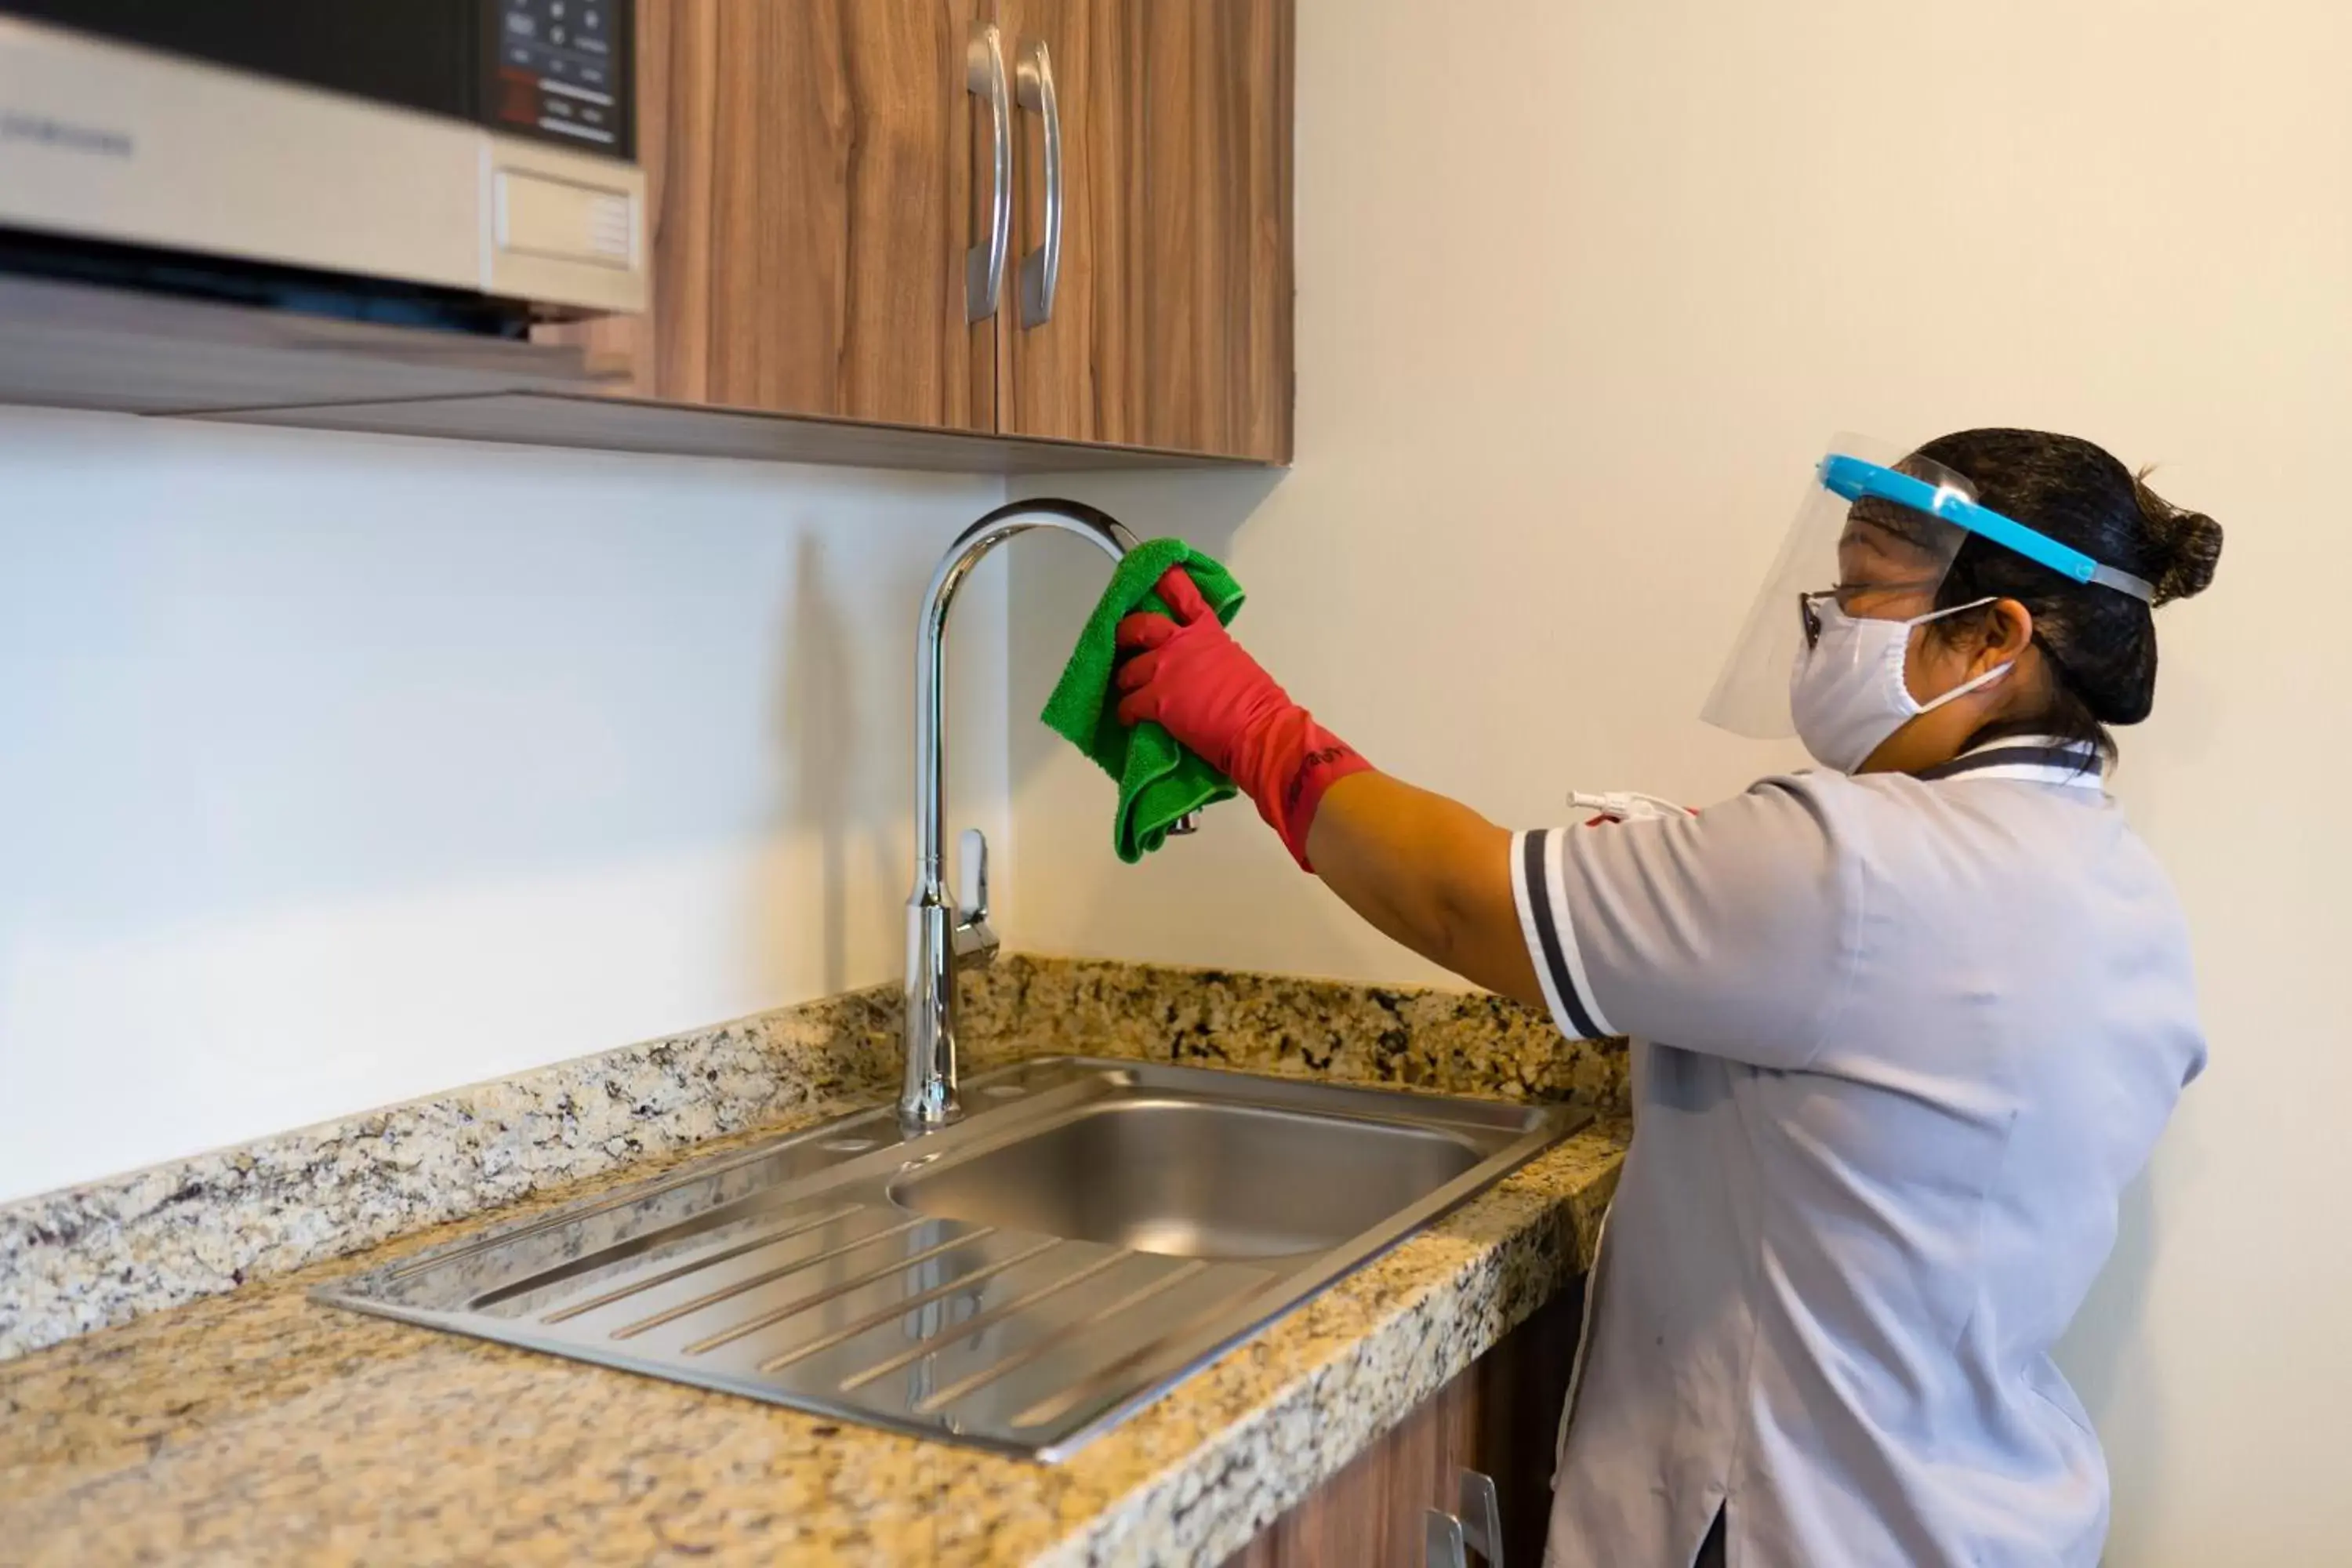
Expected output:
(1021, 1280)
(1196, 1178)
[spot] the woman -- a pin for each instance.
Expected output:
(1906, 1026)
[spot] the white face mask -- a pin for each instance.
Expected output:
(1847, 692)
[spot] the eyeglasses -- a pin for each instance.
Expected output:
(1810, 617)
(1849, 597)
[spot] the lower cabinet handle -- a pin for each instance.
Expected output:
(1481, 1517)
(983, 264)
(1443, 1543)
(1447, 1540)
(1041, 269)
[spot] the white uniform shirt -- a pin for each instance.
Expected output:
(1901, 1042)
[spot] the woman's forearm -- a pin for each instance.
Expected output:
(1429, 872)
(1432, 874)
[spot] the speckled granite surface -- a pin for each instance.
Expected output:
(258, 1426)
(87, 1257)
(84, 1257)
(1446, 1042)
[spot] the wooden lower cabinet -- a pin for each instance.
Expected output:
(1499, 1416)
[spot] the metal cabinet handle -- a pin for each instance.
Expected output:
(1447, 1541)
(1041, 269)
(1441, 1544)
(983, 264)
(1481, 1517)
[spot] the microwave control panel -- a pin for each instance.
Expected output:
(560, 68)
(553, 71)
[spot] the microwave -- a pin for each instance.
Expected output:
(467, 163)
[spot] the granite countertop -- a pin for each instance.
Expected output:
(257, 1426)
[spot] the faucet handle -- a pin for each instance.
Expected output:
(975, 944)
(971, 875)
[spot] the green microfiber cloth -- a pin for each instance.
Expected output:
(1159, 780)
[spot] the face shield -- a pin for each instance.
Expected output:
(1874, 534)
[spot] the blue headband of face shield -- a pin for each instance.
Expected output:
(1853, 480)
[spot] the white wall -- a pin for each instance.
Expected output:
(338, 770)
(1584, 285)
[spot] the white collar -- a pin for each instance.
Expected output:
(2036, 758)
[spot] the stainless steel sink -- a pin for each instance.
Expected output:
(1021, 1280)
(1196, 1178)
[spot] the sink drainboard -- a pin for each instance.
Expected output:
(804, 1272)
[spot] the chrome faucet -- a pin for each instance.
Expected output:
(941, 934)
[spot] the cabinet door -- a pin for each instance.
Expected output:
(812, 196)
(1497, 1415)
(1171, 325)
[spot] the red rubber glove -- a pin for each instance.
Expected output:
(1190, 675)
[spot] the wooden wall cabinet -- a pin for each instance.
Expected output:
(1171, 327)
(818, 171)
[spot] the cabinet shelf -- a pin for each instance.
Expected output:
(66, 345)
(623, 424)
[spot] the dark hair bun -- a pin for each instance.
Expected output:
(2186, 545)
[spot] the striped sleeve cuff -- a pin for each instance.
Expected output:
(1538, 887)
